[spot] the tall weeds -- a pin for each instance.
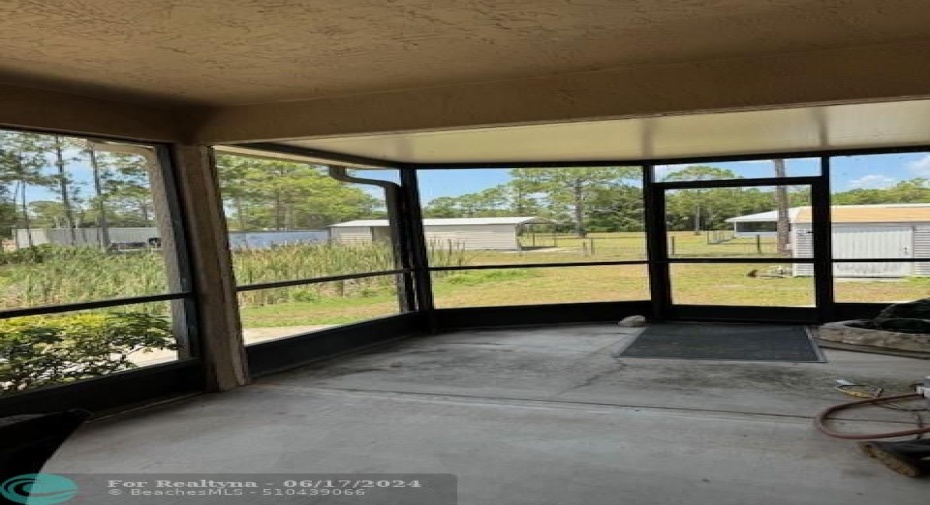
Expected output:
(56, 275)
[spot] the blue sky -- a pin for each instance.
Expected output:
(849, 172)
(76, 167)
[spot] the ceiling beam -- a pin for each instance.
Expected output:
(852, 75)
(27, 108)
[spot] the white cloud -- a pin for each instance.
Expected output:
(920, 167)
(872, 181)
(758, 162)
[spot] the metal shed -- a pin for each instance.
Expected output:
(869, 231)
(479, 233)
(859, 231)
(761, 224)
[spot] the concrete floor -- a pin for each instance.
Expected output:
(533, 416)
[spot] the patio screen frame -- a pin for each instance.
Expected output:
(188, 376)
(113, 392)
(657, 308)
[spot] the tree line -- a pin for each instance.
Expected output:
(55, 181)
(267, 194)
(610, 199)
(91, 187)
(78, 185)
(603, 199)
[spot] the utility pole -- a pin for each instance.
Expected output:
(782, 225)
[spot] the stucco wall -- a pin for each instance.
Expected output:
(45, 110)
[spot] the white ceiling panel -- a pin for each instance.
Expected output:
(887, 124)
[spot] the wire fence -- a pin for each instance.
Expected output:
(714, 243)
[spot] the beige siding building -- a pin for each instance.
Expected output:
(870, 231)
(880, 231)
(484, 233)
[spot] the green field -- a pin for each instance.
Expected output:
(74, 275)
(710, 284)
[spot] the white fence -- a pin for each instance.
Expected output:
(266, 239)
(82, 236)
(94, 237)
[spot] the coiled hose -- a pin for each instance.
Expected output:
(822, 417)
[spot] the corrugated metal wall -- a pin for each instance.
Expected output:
(266, 239)
(887, 240)
(922, 249)
(93, 237)
(802, 246)
(81, 236)
(351, 234)
(500, 237)
(873, 241)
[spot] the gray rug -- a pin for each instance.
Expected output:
(742, 342)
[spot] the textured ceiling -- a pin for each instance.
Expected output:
(230, 52)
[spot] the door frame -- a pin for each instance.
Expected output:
(660, 262)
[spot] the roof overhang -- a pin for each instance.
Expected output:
(790, 130)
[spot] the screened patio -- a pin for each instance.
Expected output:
(204, 124)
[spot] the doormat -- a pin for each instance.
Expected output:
(742, 342)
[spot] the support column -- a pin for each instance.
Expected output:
(220, 332)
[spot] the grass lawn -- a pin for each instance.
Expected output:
(324, 312)
(708, 284)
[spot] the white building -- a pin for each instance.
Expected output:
(268, 239)
(480, 233)
(761, 224)
(82, 236)
(858, 232)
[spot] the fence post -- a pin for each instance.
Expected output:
(555, 240)
(592, 246)
(584, 248)
(758, 243)
(672, 244)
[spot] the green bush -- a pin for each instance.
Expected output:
(40, 351)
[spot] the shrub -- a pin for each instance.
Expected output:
(40, 351)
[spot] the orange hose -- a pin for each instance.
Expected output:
(821, 418)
